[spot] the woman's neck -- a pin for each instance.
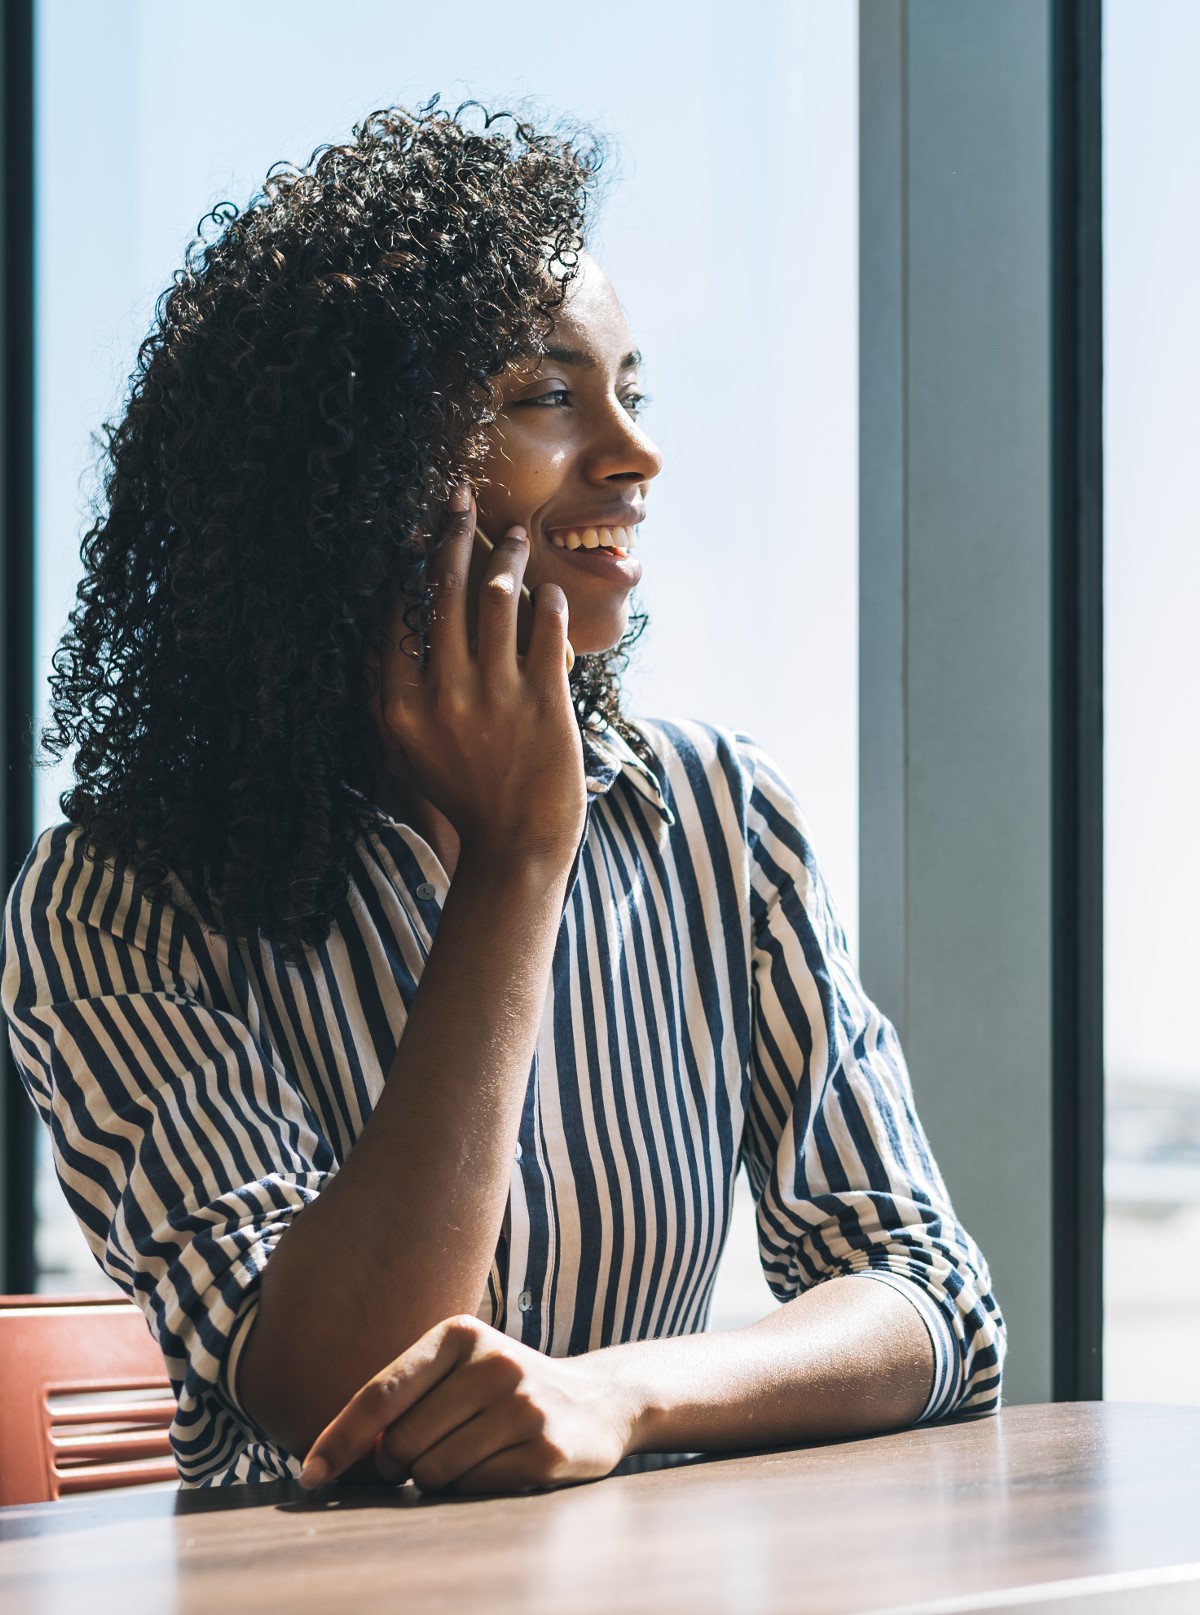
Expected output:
(407, 806)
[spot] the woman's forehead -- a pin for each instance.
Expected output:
(592, 319)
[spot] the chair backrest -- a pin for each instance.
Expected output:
(84, 1401)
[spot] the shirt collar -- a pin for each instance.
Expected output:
(606, 756)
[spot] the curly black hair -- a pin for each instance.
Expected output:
(314, 386)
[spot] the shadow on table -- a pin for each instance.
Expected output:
(350, 1497)
(86, 1511)
(293, 1498)
(143, 1503)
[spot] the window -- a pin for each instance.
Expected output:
(1152, 698)
(746, 311)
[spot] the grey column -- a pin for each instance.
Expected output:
(956, 514)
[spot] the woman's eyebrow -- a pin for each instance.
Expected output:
(576, 356)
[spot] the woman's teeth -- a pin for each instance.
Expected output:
(620, 539)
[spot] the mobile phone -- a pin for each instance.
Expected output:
(481, 549)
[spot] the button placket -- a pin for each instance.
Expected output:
(414, 896)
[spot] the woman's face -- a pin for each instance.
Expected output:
(566, 455)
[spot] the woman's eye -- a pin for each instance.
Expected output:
(545, 398)
(560, 398)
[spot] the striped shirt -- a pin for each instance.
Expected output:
(703, 1015)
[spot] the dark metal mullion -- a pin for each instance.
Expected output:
(16, 553)
(1077, 772)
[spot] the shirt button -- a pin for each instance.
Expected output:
(517, 1151)
(425, 891)
(525, 1300)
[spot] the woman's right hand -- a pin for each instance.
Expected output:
(489, 737)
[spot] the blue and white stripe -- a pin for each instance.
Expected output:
(704, 1014)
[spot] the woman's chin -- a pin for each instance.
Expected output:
(593, 648)
(594, 638)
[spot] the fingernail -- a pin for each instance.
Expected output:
(460, 499)
(315, 1473)
(516, 532)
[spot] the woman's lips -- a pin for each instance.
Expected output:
(591, 538)
(614, 565)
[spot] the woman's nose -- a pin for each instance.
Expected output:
(627, 450)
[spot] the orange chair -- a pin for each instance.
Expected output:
(84, 1401)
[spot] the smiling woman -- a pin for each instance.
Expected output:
(402, 1011)
(567, 457)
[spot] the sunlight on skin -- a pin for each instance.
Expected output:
(566, 450)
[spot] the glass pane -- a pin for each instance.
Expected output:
(731, 237)
(1152, 698)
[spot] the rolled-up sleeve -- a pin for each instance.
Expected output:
(842, 1171)
(181, 1142)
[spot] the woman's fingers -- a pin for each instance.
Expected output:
(490, 1435)
(385, 1398)
(513, 1469)
(499, 593)
(446, 577)
(463, 1393)
(453, 637)
(549, 647)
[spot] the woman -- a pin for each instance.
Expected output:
(360, 913)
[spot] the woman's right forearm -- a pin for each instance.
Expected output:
(405, 1233)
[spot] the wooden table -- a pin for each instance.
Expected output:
(1090, 1508)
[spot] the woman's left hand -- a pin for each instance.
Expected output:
(469, 1409)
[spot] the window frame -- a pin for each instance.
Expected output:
(981, 631)
(17, 1120)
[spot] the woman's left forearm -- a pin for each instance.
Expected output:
(468, 1408)
(849, 1357)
